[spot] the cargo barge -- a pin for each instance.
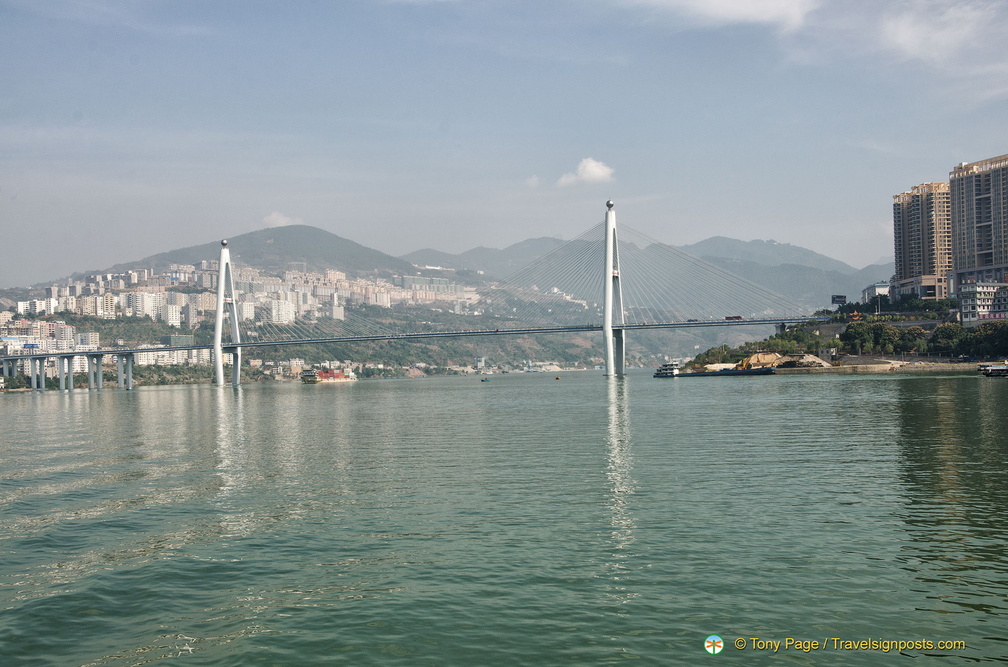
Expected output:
(312, 376)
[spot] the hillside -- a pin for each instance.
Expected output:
(766, 253)
(272, 249)
(792, 271)
(497, 263)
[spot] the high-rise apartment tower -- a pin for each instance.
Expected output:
(979, 192)
(922, 236)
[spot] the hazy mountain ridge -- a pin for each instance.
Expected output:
(273, 248)
(498, 263)
(798, 273)
(767, 253)
(792, 271)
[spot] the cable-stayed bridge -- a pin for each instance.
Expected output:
(602, 281)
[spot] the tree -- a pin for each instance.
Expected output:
(913, 340)
(857, 337)
(948, 338)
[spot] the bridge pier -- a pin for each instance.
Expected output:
(37, 373)
(94, 363)
(64, 370)
(612, 312)
(124, 363)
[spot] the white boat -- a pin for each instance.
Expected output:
(667, 371)
(995, 370)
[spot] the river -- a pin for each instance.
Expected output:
(527, 520)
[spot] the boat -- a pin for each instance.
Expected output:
(995, 370)
(667, 371)
(762, 370)
(312, 376)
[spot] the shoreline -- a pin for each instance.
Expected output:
(885, 367)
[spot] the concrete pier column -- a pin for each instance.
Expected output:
(121, 373)
(235, 365)
(65, 368)
(94, 364)
(40, 364)
(129, 372)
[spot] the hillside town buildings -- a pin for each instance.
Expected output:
(184, 296)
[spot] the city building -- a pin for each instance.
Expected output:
(922, 239)
(979, 200)
(981, 302)
(874, 290)
(281, 312)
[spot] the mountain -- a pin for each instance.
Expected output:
(766, 253)
(801, 274)
(793, 271)
(807, 285)
(272, 249)
(498, 263)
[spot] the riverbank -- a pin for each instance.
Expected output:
(853, 365)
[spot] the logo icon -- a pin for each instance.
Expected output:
(714, 644)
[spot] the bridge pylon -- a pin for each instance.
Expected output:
(612, 313)
(226, 299)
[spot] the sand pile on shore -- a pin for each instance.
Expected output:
(803, 361)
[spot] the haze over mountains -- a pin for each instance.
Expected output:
(790, 270)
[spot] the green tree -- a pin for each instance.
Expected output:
(913, 340)
(948, 338)
(858, 337)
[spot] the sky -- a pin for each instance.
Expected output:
(135, 127)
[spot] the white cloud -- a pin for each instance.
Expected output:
(937, 33)
(278, 219)
(786, 14)
(963, 40)
(588, 170)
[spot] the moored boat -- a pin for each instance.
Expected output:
(667, 371)
(995, 370)
(312, 376)
(763, 370)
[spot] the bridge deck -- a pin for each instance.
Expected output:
(421, 335)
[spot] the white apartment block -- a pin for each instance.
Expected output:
(246, 311)
(281, 312)
(145, 304)
(983, 302)
(171, 315)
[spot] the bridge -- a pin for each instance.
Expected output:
(576, 275)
